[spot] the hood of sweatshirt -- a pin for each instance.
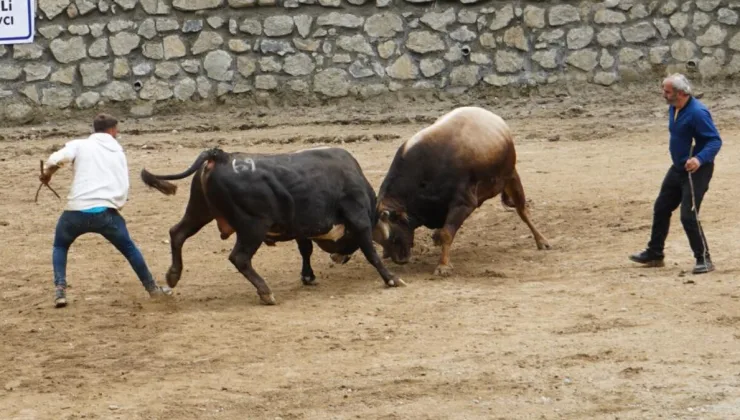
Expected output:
(107, 141)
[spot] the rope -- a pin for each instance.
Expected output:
(695, 210)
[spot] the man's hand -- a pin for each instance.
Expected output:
(45, 176)
(692, 165)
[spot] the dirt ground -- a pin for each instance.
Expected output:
(576, 332)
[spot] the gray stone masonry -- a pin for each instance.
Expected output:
(91, 52)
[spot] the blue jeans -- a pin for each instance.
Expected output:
(111, 225)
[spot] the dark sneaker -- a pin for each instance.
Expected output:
(160, 292)
(647, 258)
(703, 266)
(60, 298)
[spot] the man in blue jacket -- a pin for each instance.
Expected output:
(688, 119)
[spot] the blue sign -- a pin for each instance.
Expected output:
(17, 21)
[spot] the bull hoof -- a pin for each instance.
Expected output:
(172, 277)
(543, 246)
(396, 282)
(443, 270)
(308, 280)
(339, 258)
(268, 299)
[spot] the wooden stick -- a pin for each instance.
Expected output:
(41, 167)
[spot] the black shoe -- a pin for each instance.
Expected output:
(60, 298)
(648, 258)
(703, 266)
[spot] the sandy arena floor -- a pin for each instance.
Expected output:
(577, 332)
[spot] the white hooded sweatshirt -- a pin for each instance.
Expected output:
(100, 172)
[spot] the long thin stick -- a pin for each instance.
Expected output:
(36, 200)
(696, 211)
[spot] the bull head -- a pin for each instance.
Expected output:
(395, 234)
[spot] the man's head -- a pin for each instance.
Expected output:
(676, 89)
(104, 123)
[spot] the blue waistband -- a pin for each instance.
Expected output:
(95, 210)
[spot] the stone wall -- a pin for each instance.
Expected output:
(93, 52)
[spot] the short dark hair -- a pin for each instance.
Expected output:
(103, 122)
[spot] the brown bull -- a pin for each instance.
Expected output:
(441, 175)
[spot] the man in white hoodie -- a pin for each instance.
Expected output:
(99, 190)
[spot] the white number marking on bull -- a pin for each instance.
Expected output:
(241, 166)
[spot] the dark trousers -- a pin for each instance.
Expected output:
(111, 225)
(676, 191)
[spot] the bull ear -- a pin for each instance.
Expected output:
(385, 215)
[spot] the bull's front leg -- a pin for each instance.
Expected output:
(305, 246)
(367, 248)
(362, 227)
(241, 257)
(445, 236)
(179, 233)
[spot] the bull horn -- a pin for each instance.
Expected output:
(381, 232)
(378, 234)
(385, 215)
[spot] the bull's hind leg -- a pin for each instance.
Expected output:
(192, 222)
(241, 257)
(305, 246)
(359, 222)
(196, 216)
(515, 193)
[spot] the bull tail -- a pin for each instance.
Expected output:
(160, 183)
(512, 196)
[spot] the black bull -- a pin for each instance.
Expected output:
(316, 195)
